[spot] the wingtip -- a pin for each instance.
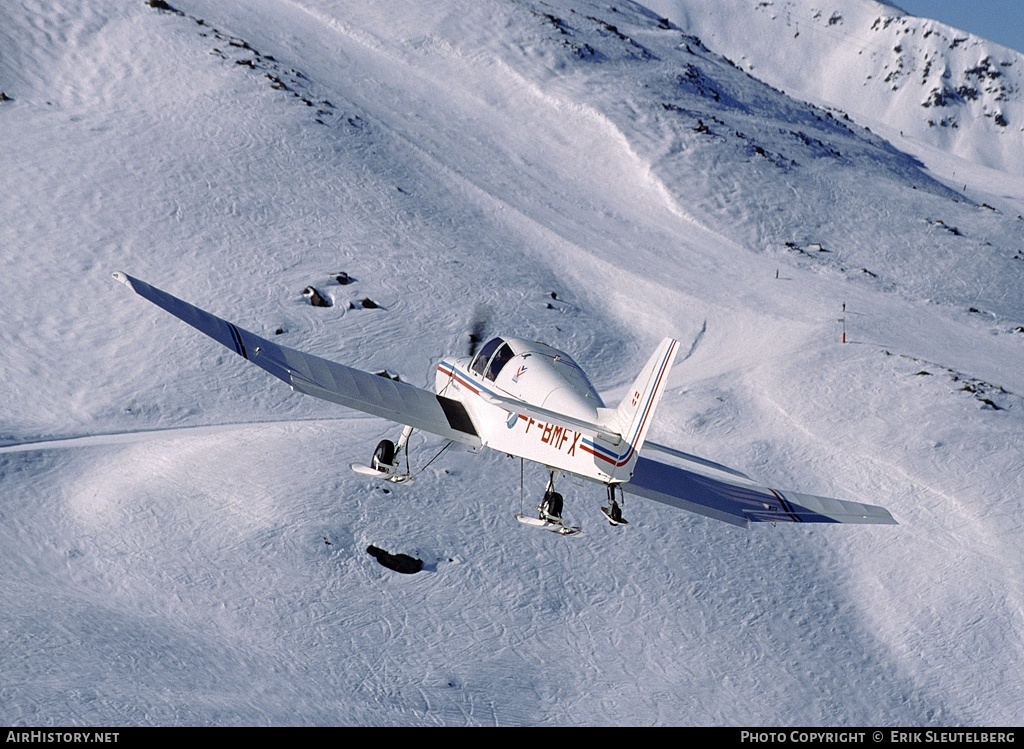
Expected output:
(122, 277)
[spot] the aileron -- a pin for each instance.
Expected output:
(673, 478)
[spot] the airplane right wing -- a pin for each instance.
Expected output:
(363, 391)
(706, 488)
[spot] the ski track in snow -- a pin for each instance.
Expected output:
(181, 538)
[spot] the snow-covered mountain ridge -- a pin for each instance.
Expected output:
(917, 77)
(181, 539)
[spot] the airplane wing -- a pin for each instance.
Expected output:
(363, 391)
(706, 488)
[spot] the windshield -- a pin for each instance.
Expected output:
(479, 364)
(498, 361)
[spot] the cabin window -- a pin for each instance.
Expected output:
(498, 361)
(479, 364)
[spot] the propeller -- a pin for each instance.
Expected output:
(478, 329)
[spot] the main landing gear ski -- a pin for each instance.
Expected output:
(549, 510)
(385, 461)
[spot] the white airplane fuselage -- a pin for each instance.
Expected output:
(537, 403)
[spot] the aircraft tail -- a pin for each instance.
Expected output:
(635, 413)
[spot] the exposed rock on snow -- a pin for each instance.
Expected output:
(315, 297)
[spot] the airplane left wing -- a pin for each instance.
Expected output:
(706, 488)
(363, 391)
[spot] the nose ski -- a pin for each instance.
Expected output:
(613, 511)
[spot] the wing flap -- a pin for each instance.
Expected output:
(700, 486)
(346, 386)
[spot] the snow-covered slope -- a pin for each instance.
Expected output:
(180, 537)
(916, 78)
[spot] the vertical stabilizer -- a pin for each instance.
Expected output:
(636, 411)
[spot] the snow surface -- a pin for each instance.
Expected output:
(181, 541)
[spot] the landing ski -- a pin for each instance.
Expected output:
(548, 525)
(364, 470)
(615, 518)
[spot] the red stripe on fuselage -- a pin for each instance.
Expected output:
(456, 375)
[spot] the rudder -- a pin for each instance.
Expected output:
(635, 413)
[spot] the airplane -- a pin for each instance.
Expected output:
(534, 402)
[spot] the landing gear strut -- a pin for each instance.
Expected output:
(551, 506)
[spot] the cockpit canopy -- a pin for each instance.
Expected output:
(540, 374)
(494, 355)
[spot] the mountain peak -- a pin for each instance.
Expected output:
(917, 77)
